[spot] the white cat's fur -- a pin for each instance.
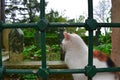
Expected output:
(76, 57)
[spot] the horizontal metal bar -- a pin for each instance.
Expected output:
(20, 71)
(63, 71)
(108, 24)
(115, 69)
(60, 71)
(19, 25)
(58, 24)
(34, 25)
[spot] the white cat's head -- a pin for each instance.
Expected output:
(74, 38)
(71, 41)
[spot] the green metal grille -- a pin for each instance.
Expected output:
(90, 25)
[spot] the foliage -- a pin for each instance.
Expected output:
(80, 19)
(51, 40)
(102, 13)
(29, 76)
(23, 11)
(31, 51)
(79, 30)
(53, 52)
(54, 16)
(101, 10)
(105, 43)
(105, 48)
(29, 32)
(21, 77)
(105, 39)
(26, 10)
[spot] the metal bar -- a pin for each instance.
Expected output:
(3, 10)
(90, 9)
(108, 24)
(19, 25)
(43, 48)
(58, 24)
(0, 48)
(63, 71)
(1, 64)
(42, 9)
(43, 41)
(34, 25)
(60, 71)
(90, 48)
(117, 69)
(90, 45)
(19, 71)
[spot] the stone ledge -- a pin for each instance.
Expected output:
(34, 65)
(5, 55)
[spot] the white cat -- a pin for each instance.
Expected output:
(76, 57)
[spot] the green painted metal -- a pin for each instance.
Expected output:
(90, 24)
(53, 24)
(20, 71)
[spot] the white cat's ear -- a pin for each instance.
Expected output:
(66, 35)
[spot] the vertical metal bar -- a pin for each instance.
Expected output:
(3, 10)
(2, 17)
(42, 9)
(90, 50)
(43, 47)
(0, 48)
(1, 64)
(90, 9)
(90, 46)
(43, 41)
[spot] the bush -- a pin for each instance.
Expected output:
(50, 40)
(34, 53)
(105, 48)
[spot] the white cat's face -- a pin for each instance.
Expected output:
(71, 41)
